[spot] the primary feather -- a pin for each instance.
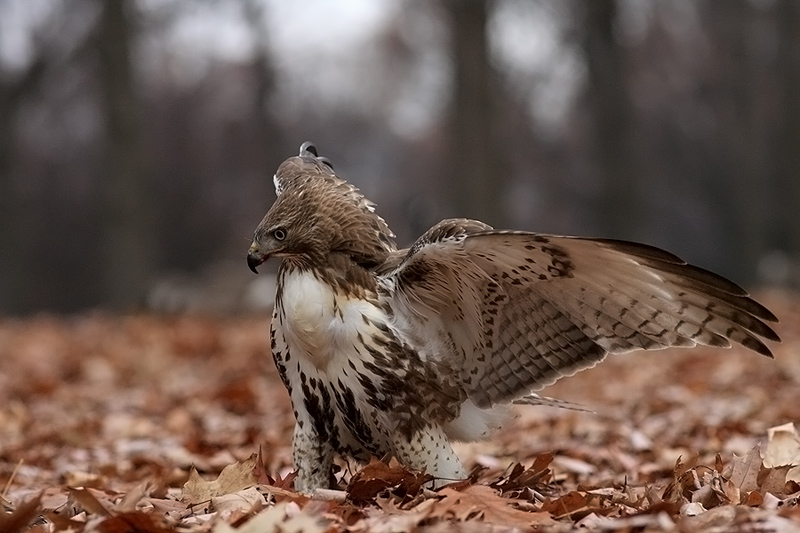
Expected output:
(396, 352)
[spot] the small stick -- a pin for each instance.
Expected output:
(13, 475)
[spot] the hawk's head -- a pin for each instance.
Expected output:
(317, 214)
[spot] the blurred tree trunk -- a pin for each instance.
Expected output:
(742, 127)
(128, 248)
(788, 130)
(16, 274)
(609, 111)
(475, 161)
(271, 144)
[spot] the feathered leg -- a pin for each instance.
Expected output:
(430, 450)
(312, 458)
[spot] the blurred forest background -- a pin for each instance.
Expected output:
(138, 138)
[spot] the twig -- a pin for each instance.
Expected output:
(11, 479)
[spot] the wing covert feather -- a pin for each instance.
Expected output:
(513, 312)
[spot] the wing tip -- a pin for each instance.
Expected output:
(757, 346)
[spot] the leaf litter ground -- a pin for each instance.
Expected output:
(156, 424)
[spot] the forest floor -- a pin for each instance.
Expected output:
(125, 424)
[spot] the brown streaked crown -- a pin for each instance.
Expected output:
(322, 214)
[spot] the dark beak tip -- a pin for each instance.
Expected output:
(253, 261)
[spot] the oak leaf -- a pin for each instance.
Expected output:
(783, 448)
(744, 476)
(233, 478)
(479, 502)
(22, 516)
(378, 477)
(133, 522)
(283, 517)
(567, 505)
(773, 480)
(520, 477)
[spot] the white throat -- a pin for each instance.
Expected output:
(322, 322)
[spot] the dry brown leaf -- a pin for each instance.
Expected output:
(377, 477)
(479, 502)
(167, 506)
(263, 478)
(738, 518)
(132, 498)
(280, 494)
(684, 465)
(85, 479)
(134, 522)
(773, 480)
(88, 502)
(754, 499)
(282, 517)
(744, 476)
(22, 516)
(233, 478)
(783, 448)
(521, 477)
(390, 519)
(640, 522)
(238, 503)
(568, 505)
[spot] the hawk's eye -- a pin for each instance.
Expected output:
(279, 234)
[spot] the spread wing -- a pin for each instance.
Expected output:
(515, 311)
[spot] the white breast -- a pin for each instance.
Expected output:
(323, 323)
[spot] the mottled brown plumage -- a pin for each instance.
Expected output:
(398, 352)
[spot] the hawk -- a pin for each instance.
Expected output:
(389, 352)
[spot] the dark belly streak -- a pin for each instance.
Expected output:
(337, 418)
(329, 405)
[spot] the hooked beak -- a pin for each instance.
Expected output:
(255, 258)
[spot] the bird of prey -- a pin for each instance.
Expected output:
(398, 352)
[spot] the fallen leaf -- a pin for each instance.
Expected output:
(479, 502)
(282, 517)
(692, 509)
(744, 476)
(783, 446)
(377, 477)
(22, 516)
(264, 478)
(88, 502)
(521, 477)
(392, 520)
(719, 519)
(260, 470)
(243, 501)
(134, 522)
(656, 522)
(682, 466)
(773, 480)
(285, 495)
(754, 499)
(567, 505)
(233, 478)
(84, 479)
(132, 498)
(576, 466)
